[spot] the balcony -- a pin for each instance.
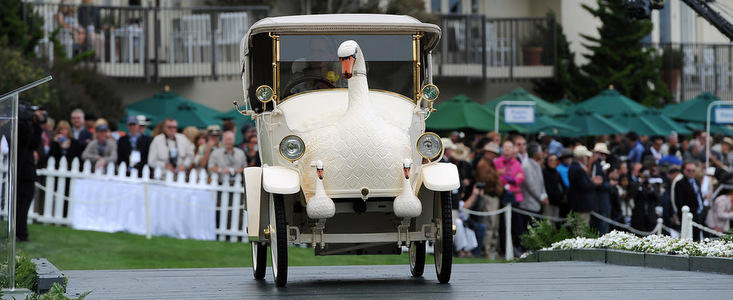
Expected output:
(474, 46)
(149, 42)
(690, 69)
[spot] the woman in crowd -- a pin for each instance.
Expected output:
(721, 212)
(251, 150)
(554, 187)
(64, 144)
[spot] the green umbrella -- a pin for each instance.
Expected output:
(171, 105)
(519, 94)
(463, 113)
(564, 103)
(640, 124)
(693, 110)
(588, 123)
(609, 103)
(549, 126)
(714, 128)
(664, 122)
(238, 119)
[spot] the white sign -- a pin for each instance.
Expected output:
(519, 114)
(723, 115)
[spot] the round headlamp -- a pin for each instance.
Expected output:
(292, 147)
(264, 93)
(429, 92)
(429, 145)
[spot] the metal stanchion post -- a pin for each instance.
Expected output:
(508, 245)
(148, 234)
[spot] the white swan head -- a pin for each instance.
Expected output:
(352, 59)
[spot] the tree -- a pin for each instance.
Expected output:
(567, 73)
(619, 58)
(20, 27)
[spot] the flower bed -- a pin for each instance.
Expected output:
(650, 244)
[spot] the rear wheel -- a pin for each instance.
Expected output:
(444, 241)
(259, 259)
(417, 258)
(278, 240)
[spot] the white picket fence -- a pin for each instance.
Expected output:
(52, 203)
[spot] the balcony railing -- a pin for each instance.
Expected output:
(690, 69)
(149, 42)
(474, 46)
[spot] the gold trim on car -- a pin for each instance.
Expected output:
(279, 148)
(403, 97)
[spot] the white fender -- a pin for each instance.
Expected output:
(440, 177)
(252, 188)
(280, 180)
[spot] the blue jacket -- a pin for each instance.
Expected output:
(636, 152)
(581, 193)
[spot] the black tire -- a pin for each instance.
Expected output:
(444, 241)
(278, 240)
(417, 258)
(259, 259)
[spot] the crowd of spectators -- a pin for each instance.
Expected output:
(630, 179)
(176, 149)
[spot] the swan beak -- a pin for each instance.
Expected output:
(347, 66)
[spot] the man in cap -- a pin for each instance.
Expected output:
(489, 184)
(78, 130)
(602, 205)
(133, 148)
(213, 133)
(102, 150)
(724, 158)
(581, 192)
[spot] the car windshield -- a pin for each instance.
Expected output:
(310, 62)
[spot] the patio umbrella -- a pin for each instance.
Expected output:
(460, 112)
(519, 94)
(714, 128)
(549, 126)
(640, 124)
(564, 103)
(657, 118)
(588, 123)
(609, 103)
(693, 110)
(171, 105)
(238, 119)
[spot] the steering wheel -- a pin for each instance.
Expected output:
(287, 90)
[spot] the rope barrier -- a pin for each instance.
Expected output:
(707, 229)
(484, 213)
(627, 227)
(531, 214)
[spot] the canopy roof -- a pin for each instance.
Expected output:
(462, 113)
(342, 23)
(171, 105)
(608, 103)
(693, 110)
(519, 94)
(588, 123)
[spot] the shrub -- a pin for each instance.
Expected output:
(542, 233)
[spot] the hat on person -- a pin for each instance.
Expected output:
(581, 151)
(491, 147)
(566, 153)
(728, 141)
(461, 152)
(213, 130)
(137, 120)
(448, 144)
(601, 148)
(102, 127)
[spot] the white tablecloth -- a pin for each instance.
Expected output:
(111, 206)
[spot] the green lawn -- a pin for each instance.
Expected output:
(71, 249)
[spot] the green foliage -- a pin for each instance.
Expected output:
(563, 84)
(25, 273)
(542, 233)
(18, 31)
(672, 59)
(19, 70)
(618, 57)
(728, 236)
(56, 293)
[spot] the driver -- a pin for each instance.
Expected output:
(318, 64)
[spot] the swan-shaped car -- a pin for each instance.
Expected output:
(340, 103)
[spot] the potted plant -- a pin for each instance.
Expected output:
(532, 51)
(672, 60)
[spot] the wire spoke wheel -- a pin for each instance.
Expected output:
(417, 258)
(444, 241)
(259, 259)
(278, 240)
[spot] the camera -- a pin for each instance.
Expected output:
(480, 185)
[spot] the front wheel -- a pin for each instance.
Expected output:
(259, 259)
(443, 217)
(417, 258)
(278, 240)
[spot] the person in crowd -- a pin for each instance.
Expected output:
(229, 125)
(171, 150)
(552, 145)
(723, 158)
(90, 121)
(533, 186)
(721, 212)
(191, 132)
(134, 147)
(103, 149)
(687, 193)
(66, 19)
(252, 151)
(520, 144)
(227, 159)
(655, 150)
(566, 158)
(494, 137)
(554, 187)
(213, 132)
(695, 151)
(646, 200)
(672, 146)
(598, 168)
(487, 180)
(199, 146)
(669, 214)
(581, 192)
(115, 132)
(47, 133)
(79, 132)
(637, 148)
(511, 176)
(64, 144)
(89, 19)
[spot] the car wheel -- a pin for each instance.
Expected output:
(417, 258)
(278, 240)
(259, 259)
(444, 241)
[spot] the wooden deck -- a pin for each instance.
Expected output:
(551, 280)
